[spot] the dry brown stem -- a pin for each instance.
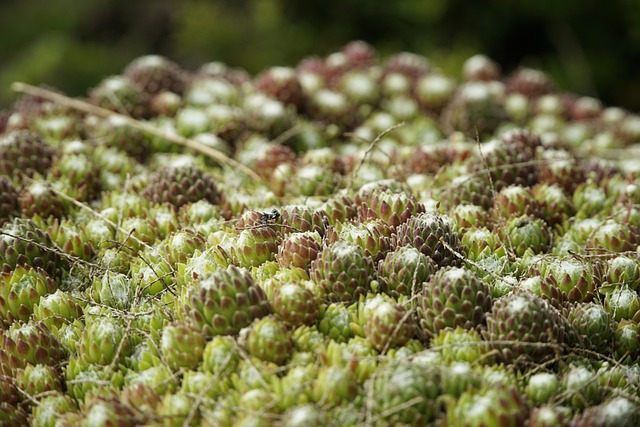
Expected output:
(86, 107)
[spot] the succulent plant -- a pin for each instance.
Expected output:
(154, 74)
(253, 373)
(255, 246)
(404, 394)
(622, 303)
(9, 200)
(481, 242)
(556, 207)
(52, 407)
(403, 271)
(625, 340)
(224, 301)
(142, 399)
(490, 406)
(260, 403)
(453, 297)
(510, 159)
(69, 335)
(267, 116)
(614, 237)
(589, 199)
(331, 107)
(196, 382)
(549, 415)
(526, 234)
(182, 346)
(340, 208)
(181, 245)
(268, 339)
(476, 107)
(373, 235)
(617, 411)
(221, 356)
(179, 185)
(23, 243)
(592, 324)
(474, 265)
(360, 86)
(406, 64)
(281, 83)
(542, 387)
(8, 391)
(150, 317)
(561, 168)
(467, 189)
(295, 304)
(295, 387)
(24, 154)
(529, 82)
(13, 415)
(20, 290)
(392, 208)
(120, 94)
(116, 133)
(335, 322)
(469, 216)
(305, 415)
(301, 218)
(105, 411)
(622, 270)
(32, 343)
(480, 67)
(37, 379)
(526, 329)
(159, 377)
(270, 281)
(299, 249)
(104, 341)
(130, 205)
(568, 278)
(309, 339)
(389, 325)
(516, 200)
(71, 238)
(343, 271)
(432, 235)
(113, 290)
(334, 385)
(38, 199)
(461, 345)
(266, 157)
(581, 390)
(312, 180)
(76, 175)
(458, 378)
(434, 90)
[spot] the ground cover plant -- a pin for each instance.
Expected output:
(354, 241)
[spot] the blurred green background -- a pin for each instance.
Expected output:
(589, 46)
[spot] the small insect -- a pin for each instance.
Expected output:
(270, 216)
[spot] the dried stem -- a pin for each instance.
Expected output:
(372, 145)
(80, 105)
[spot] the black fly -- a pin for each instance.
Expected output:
(267, 217)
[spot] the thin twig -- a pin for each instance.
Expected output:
(287, 135)
(57, 250)
(372, 145)
(80, 105)
(128, 234)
